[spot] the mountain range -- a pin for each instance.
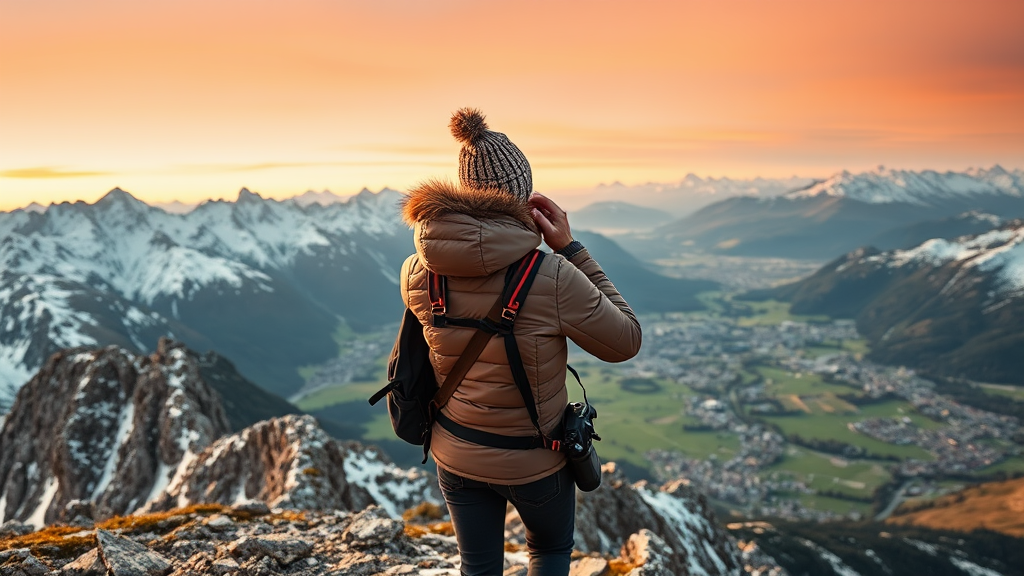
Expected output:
(953, 307)
(264, 282)
(267, 283)
(832, 217)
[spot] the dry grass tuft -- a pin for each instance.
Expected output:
(423, 511)
(71, 541)
(513, 547)
(53, 541)
(419, 530)
(161, 521)
(287, 516)
(620, 567)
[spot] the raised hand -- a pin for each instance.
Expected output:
(552, 221)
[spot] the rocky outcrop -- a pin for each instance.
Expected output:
(674, 515)
(126, 557)
(675, 525)
(237, 541)
(290, 462)
(100, 432)
(103, 426)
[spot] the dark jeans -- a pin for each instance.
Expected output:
(547, 507)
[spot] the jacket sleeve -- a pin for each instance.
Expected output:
(592, 313)
(403, 278)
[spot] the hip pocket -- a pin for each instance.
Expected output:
(448, 481)
(538, 492)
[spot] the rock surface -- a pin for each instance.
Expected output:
(369, 542)
(104, 426)
(309, 543)
(651, 555)
(88, 564)
(673, 515)
(125, 557)
(21, 562)
(104, 432)
(290, 462)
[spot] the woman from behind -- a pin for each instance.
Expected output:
(471, 233)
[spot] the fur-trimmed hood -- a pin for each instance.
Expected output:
(468, 232)
(436, 198)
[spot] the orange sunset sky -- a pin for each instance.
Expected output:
(192, 99)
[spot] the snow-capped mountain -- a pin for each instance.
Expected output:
(998, 254)
(842, 213)
(264, 282)
(926, 188)
(111, 432)
(953, 307)
(122, 272)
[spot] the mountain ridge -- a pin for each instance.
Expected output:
(158, 273)
(267, 283)
(835, 216)
(953, 307)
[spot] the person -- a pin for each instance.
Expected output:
(470, 233)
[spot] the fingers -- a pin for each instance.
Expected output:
(546, 228)
(541, 201)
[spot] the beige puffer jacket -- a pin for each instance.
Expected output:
(472, 237)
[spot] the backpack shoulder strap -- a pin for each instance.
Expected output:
(500, 320)
(464, 363)
(516, 289)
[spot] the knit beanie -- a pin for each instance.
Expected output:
(489, 159)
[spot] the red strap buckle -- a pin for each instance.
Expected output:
(436, 287)
(556, 445)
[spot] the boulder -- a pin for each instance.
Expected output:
(126, 557)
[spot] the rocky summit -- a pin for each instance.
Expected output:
(224, 540)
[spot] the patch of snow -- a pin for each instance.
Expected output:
(837, 564)
(13, 372)
(160, 480)
(3, 507)
(124, 430)
(685, 524)
(38, 517)
(998, 252)
(364, 470)
(871, 554)
(972, 568)
(180, 473)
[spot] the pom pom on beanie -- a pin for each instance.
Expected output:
(468, 125)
